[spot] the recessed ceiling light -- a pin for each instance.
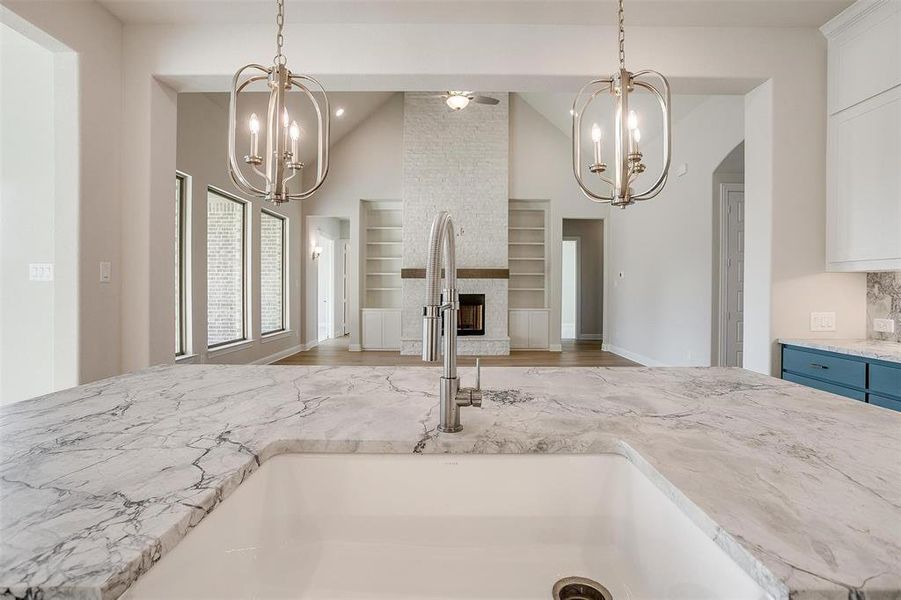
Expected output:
(339, 112)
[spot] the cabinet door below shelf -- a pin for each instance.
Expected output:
(372, 330)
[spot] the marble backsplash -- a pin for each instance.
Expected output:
(884, 302)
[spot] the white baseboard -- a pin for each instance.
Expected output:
(355, 348)
(309, 345)
(633, 356)
(555, 348)
(268, 360)
(590, 336)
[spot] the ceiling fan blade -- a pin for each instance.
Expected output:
(484, 100)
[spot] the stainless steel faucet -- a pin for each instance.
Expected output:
(452, 395)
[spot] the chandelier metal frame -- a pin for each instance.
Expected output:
(628, 158)
(279, 158)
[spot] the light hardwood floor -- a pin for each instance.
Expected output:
(575, 354)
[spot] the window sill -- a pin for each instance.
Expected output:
(187, 358)
(275, 336)
(229, 348)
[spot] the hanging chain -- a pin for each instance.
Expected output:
(280, 58)
(622, 38)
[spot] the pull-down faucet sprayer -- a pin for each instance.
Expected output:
(452, 395)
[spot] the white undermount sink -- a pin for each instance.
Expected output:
(441, 527)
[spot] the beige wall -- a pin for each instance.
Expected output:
(125, 165)
(87, 44)
(660, 260)
(201, 144)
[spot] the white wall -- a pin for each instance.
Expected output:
(660, 308)
(27, 216)
(87, 45)
(790, 142)
(201, 143)
(541, 169)
(366, 164)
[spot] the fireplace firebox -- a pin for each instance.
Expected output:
(471, 318)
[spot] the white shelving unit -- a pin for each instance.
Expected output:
(382, 253)
(527, 254)
(528, 262)
(383, 246)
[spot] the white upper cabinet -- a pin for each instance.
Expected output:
(863, 213)
(864, 52)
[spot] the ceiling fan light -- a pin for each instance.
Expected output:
(457, 102)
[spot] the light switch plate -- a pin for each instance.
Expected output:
(40, 272)
(822, 321)
(105, 272)
(884, 325)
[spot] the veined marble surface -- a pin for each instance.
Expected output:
(801, 487)
(877, 349)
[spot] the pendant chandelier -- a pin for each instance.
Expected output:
(628, 160)
(280, 160)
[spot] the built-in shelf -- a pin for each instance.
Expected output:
(383, 223)
(527, 241)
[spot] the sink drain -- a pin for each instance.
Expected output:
(580, 588)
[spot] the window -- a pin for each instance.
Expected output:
(181, 206)
(226, 229)
(272, 271)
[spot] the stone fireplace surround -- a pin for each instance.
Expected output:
(457, 161)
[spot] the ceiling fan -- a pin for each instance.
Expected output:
(458, 100)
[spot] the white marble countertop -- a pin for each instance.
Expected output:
(877, 349)
(801, 487)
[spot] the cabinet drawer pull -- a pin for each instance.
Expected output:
(818, 366)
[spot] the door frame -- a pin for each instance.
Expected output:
(578, 240)
(722, 293)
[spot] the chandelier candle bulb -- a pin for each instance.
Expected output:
(633, 127)
(596, 138)
(295, 137)
(286, 122)
(254, 135)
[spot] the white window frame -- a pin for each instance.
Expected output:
(184, 269)
(285, 260)
(246, 252)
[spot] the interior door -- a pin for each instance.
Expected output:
(734, 205)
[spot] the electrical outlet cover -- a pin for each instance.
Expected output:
(884, 325)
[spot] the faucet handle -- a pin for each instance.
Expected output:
(476, 392)
(478, 374)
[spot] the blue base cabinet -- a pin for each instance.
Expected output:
(869, 380)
